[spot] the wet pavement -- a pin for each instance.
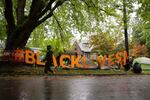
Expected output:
(75, 88)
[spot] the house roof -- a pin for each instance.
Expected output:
(83, 46)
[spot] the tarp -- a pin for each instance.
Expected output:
(142, 60)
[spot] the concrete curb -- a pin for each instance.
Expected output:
(3, 75)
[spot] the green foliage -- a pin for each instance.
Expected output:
(84, 17)
(41, 37)
(2, 22)
(102, 42)
(141, 34)
(37, 37)
(141, 31)
(144, 9)
(74, 16)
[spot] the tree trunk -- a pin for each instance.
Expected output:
(19, 38)
(19, 30)
(125, 27)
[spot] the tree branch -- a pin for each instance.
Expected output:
(9, 16)
(93, 5)
(60, 28)
(36, 7)
(48, 7)
(20, 10)
(51, 12)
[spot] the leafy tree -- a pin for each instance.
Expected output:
(141, 31)
(102, 42)
(139, 50)
(23, 16)
(141, 35)
(37, 37)
(2, 24)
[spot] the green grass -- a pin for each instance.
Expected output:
(26, 70)
(87, 72)
(145, 66)
(146, 72)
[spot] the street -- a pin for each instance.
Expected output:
(125, 87)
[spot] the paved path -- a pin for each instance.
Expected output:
(75, 88)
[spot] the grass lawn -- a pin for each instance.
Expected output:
(87, 72)
(26, 70)
(145, 66)
(146, 72)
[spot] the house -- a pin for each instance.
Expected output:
(82, 48)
